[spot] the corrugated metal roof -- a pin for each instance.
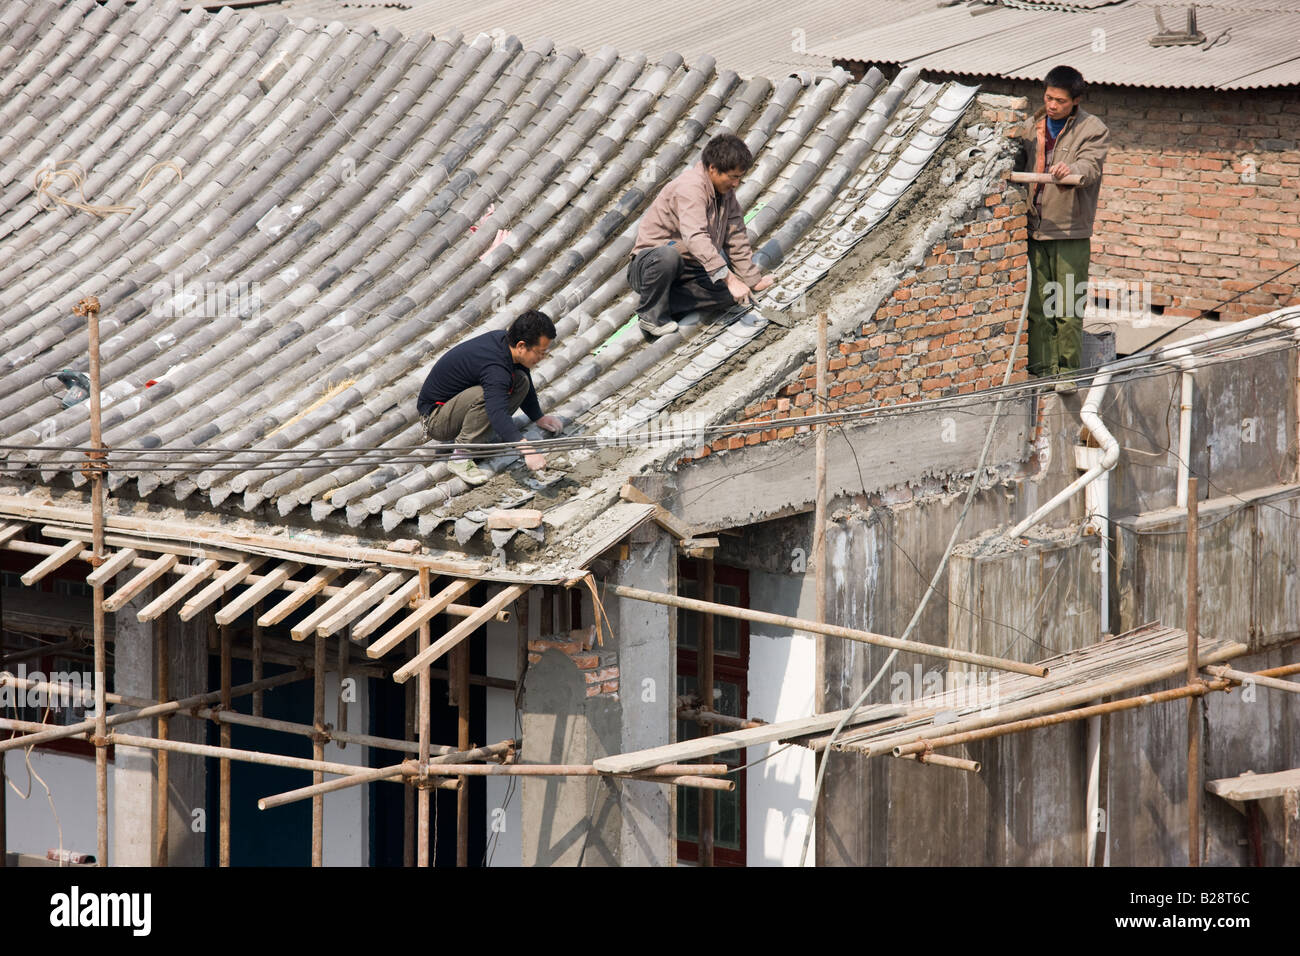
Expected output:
(762, 38)
(1243, 49)
(344, 206)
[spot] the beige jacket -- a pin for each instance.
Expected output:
(1067, 211)
(691, 213)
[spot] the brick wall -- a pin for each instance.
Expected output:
(599, 666)
(946, 329)
(1200, 196)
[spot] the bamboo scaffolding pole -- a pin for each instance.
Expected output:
(1282, 671)
(71, 644)
(162, 850)
(152, 710)
(342, 721)
(234, 753)
(1048, 720)
(1263, 680)
(4, 817)
(705, 683)
(408, 798)
(461, 656)
(1193, 677)
(407, 768)
(943, 760)
(318, 754)
(581, 770)
(819, 517)
(258, 651)
(223, 835)
(423, 703)
(89, 307)
(702, 715)
(831, 630)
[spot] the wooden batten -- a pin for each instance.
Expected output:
(425, 612)
(117, 562)
(458, 633)
(261, 589)
(304, 628)
(361, 603)
(224, 582)
(299, 596)
(9, 532)
(386, 609)
(53, 562)
(192, 579)
(156, 569)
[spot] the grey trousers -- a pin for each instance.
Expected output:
(671, 284)
(463, 419)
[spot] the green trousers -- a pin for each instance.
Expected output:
(1056, 299)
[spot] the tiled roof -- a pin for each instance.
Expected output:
(1248, 44)
(349, 204)
(759, 38)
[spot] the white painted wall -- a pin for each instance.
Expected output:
(782, 676)
(347, 820)
(504, 845)
(33, 824)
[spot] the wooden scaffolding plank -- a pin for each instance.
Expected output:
(117, 562)
(299, 596)
(53, 562)
(361, 603)
(425, 612)
(156, 569)
(224, 582)
(1255, 786)
(258, 591)
(387, 608)
(356, 586)
(458, 633)
(191, 579)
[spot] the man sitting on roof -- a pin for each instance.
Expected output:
(691, 249)
(477, 386)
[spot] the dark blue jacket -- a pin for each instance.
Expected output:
(483, 360)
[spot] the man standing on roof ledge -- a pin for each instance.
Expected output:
(691, 248)
(478, 385)
(1062, 140)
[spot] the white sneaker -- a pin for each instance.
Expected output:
(467, 471)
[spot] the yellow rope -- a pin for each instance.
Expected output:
(590, 581)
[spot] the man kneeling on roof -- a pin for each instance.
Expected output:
(691, 248)
(477, 386)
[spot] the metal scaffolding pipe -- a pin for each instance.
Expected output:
(831, 630)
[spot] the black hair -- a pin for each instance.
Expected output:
(530, 328)
(727, 153)
(1067, 78)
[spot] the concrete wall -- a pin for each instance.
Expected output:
(569, 719)
(1027, 805)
